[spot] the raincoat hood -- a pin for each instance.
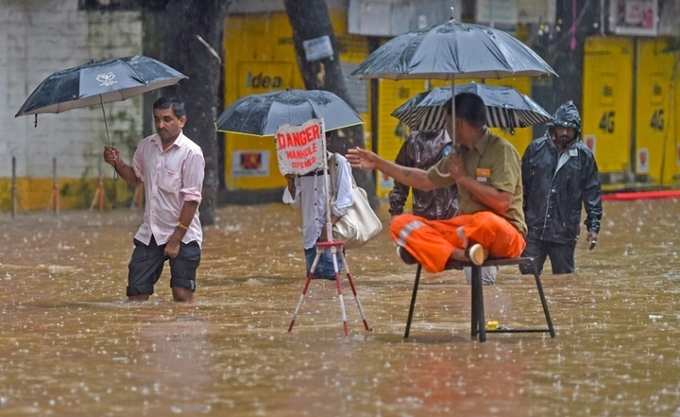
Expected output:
(567, 116)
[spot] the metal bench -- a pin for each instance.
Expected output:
(477, 321)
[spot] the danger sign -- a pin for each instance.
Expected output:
(300, 148)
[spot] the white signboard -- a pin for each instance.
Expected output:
(643, 161)
(590, 141)
(318, 48)
(634, 17)
(300, 148)
(246, 163)
(503, 12)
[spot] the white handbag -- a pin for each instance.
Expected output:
(360, 224)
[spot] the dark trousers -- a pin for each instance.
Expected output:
(324, 269)
(561, 256)
(146, 265)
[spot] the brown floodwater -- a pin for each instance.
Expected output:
(71, 346)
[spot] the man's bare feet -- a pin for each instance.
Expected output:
(460, 232)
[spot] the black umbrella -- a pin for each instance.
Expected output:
(263, 114)
(453, 50)
(506, 108)
(97, 83)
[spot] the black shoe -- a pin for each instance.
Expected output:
(405, 256)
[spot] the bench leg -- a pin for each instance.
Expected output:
(413, 302)
(477, 324)
(544, 302)
(474, 329)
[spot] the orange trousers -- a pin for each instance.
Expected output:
(432, 242)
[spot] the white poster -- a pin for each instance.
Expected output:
(634, 17)
(643, 161)
(589, 141)
(253, 163)
(300, 148)
(502, 12)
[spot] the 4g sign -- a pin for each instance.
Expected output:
(657, 122)
(607, 121)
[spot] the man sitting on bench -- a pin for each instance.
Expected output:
(487, 171)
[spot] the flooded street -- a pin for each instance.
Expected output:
(71, 346)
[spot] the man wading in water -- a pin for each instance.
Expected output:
(171, 167)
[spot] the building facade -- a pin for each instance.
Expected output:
(39, 37)
(617, 58)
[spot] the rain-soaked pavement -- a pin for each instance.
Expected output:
(70, 346)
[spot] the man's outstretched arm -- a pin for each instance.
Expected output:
(413, 177)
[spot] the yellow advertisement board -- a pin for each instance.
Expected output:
(608, 101)
(655, 149)
(391, 133)
(260, 57)
(673, 132)
(654, 71)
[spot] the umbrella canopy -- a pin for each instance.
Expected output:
(453, 50)
(263, 114)
(99, 82)
(505, 108)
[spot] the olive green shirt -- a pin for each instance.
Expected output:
(492, 161)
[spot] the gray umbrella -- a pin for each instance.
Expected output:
(97, 83)
(453, 50)
(263, 114)
(505, 108)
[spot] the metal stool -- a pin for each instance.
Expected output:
(477, 321)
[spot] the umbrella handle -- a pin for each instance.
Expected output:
(108, 137)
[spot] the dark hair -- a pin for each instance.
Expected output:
(470, 108)
(173, 103)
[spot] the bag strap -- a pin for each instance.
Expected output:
(333, 173)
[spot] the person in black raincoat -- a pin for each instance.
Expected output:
(560, 176)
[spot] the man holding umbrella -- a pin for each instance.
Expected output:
(171, 167)
(559, 175)
(486, 170)
(423, 149)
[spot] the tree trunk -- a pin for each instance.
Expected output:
(187, 35)
(565, 52)
(310, 19)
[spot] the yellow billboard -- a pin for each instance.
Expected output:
(608, 101)
(260, 57)
(391, 133)
(655, 147)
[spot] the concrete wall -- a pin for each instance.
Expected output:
(39, 37)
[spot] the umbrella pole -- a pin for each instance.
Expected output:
(108, 138)
(106, 124)
(326, 185)
(453, 111)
